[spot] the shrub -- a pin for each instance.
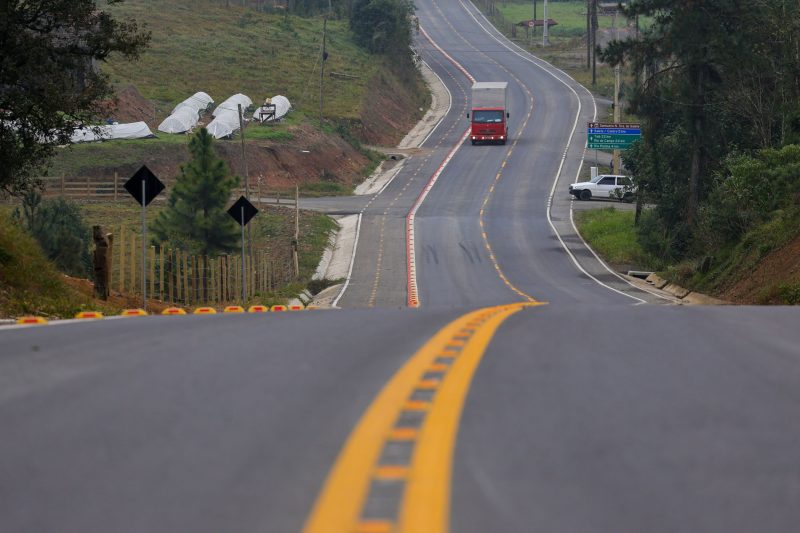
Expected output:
(59, 228)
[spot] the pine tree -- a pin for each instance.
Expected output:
(195, 218)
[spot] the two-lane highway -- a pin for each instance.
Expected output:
(481, 410)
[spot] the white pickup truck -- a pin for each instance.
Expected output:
(603, 186)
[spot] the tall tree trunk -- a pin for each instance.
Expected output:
(696, 138)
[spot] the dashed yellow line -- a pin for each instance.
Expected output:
(425, 504)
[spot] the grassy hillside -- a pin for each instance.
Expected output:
(199, 45)
(29, 283)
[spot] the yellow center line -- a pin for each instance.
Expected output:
(425, 506)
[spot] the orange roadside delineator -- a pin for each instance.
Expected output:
(134, 312)
(173, 311)
(89, 315)
(31, 320)
(205, 311)
(296, 308)
(278, 308)
(233, 309)
(258, 309)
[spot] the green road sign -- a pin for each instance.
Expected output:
(612, 136)
(602, 141)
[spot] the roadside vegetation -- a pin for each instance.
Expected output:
(717, 93)
(30, 282)
(612, 234)
(372, 93)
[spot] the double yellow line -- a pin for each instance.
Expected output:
(420, 408)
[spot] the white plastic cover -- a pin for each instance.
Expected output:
(135, 130)
(180, 121)
(198, 101)
(231, 104)
(225, 123)
(282, 106)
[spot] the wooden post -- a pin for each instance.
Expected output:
(178, 277)
(187, 292)
(102, 262)
(161, 273)
(87, 186)
(152, 292)
(212, 286)
(62, 185)
(222, 260)
(238, 274)
(133, 263)
(296, 241)
(122, 258)
(168, 290)
(116, 181)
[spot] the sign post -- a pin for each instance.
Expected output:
(144, 186)
(242, 212)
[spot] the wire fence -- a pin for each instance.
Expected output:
(177, 277)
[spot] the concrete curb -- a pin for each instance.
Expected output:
(682, 294)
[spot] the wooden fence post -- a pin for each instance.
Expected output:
(176, 265)
(171, 277)
(122, 258)
(152, 292)
(161, 273)
(133, 263)
(187, 293)
(116, 180)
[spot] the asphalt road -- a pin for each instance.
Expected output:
(601, 411)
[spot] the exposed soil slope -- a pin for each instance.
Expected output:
(775, 280)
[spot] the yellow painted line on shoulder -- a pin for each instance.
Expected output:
(426, 502)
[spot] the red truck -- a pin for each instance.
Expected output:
(489, 112)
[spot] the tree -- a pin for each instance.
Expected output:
(49, 80)
(383, 26)
(60, 230)
(195, 218)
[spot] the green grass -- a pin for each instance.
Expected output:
(567, 49)
(83, 159)
(275, 133)
(200, 45)
(611, 233)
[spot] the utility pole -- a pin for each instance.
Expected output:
(594, 42)
(588, 34)
(322, 68)
(545, 26)
(296, 243)
(616, 93)
(533, 28)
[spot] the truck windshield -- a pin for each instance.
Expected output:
(487, 116)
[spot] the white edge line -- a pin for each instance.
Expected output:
(400, 167)
(528, 57)
(352, 262)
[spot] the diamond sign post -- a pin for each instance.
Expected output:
(242, 211)
(144, 186)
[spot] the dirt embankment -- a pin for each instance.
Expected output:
(775, 280)
(304, 154)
